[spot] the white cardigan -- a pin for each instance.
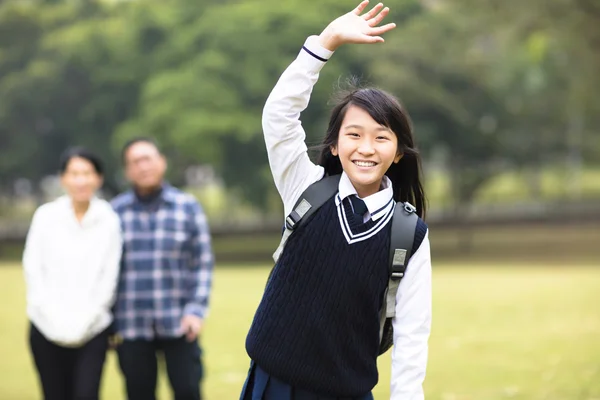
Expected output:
(71, 270)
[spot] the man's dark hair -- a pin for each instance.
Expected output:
(138, 139)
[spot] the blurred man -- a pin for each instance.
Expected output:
(166, 275)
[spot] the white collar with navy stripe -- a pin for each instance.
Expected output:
(377, 203)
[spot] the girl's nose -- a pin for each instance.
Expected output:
(366, 147)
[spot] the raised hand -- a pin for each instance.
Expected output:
(356, 28)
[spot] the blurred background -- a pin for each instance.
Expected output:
(505, 104)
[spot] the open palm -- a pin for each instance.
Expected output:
(356, 28)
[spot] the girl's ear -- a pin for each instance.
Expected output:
(333, 150)
(398, 158)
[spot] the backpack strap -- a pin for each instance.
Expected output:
(310, 201)
(404, 223)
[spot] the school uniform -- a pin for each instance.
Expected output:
(315, 334)
(71, 269)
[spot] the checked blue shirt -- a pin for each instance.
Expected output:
(166, 267)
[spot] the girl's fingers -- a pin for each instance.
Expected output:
(379, 17)
(380, 30)
(371, 39)
(373, 12)
(359, 9)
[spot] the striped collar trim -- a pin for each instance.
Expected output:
(384, 216)
(375, 203)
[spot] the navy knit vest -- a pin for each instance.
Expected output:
(317, 326)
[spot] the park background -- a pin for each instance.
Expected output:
(505, 104)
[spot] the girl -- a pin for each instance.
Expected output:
(71, 264)
(315, 334)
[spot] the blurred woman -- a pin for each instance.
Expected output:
(71, 264)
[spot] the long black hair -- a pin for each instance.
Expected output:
(386, 110)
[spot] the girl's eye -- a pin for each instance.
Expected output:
(383, 138)
(353, 134)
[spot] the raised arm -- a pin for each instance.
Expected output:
(412, 325)
(284, 136)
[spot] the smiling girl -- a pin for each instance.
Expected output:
(315, 334)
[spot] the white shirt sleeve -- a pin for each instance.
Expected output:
(412, 325)
(32, 261)
(39, 305)
(290, 164)
(106, 288)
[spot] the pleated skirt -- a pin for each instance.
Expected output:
(260, 385)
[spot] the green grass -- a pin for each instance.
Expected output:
(499, 332)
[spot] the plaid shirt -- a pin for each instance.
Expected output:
(167, 263)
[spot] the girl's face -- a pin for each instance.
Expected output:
(80, 180)
(366, 150)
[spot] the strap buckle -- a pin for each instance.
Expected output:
(292, 220)
(409, 208)
(398, 264)
(297, 214)
(397, 275)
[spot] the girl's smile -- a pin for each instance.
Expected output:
(366, 150)
(364, 164)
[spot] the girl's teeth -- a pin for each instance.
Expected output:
(364, 164)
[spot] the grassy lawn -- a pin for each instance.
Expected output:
(500, 332)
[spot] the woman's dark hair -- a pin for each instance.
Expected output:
(80, 152)
(386, 110)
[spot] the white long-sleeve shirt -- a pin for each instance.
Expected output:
(293, 172)
(71, 270)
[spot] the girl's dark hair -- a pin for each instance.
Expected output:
(386, 110)
(81, 152)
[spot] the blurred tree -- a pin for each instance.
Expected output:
(214, 67)
(444, 87)
(72, 79)
(558, 48)
(489, 84)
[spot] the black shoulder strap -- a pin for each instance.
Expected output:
(404, 223)
(312, 199)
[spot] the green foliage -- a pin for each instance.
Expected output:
(488, 85)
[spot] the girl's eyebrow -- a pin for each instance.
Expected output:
(379, 128)
(353, 127)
